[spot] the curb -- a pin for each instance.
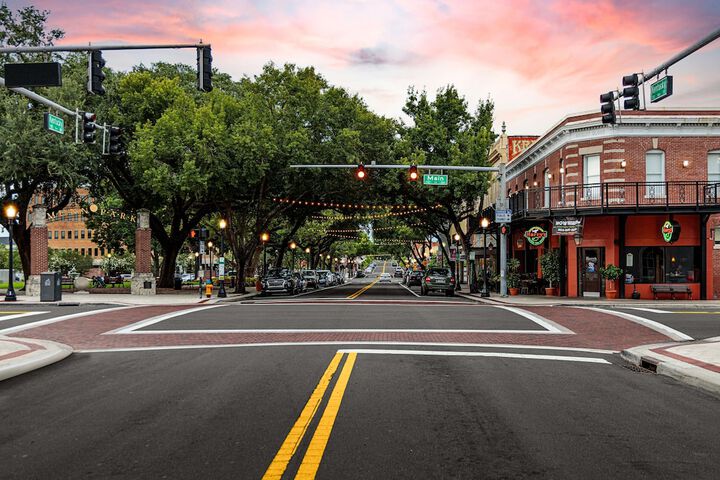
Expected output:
(48, 353)
(698, 305)
(680, 371)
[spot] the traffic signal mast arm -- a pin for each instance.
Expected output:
(405, 167)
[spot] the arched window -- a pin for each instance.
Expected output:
(655, 174)
(525, 184)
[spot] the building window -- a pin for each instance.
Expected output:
(49, 235)
(655, 174)
(664, 264)
(714, 166)
(82, 251)
(102, 251)
(69, 234)
(547, 180)
(82, 234)
(56, 234)
(96, 252)
(591, 176)
(75, 236)
(62, 235)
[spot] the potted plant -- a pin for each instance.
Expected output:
(550, 263)
(512, 276)
(611, 273)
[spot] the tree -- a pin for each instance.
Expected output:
(65, 261)
(35, 163)
(444, 132)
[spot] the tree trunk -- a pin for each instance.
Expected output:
(167, 270)
(240, 275)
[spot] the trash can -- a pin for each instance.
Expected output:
(178, 283)
(50, 287)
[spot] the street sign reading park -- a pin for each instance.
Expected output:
(54, 124)
(429, 179)
(663, 88)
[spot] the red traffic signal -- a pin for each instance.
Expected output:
(360, 173)
(193, 233)
(413, 173)
(504, 230)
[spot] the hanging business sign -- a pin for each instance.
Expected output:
(536, 235)
(670, 231)
(567, 226)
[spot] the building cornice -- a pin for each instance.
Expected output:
(645, 125)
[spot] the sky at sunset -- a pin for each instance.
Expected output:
(539, 60)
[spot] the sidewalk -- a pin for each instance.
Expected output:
(21, 355)
(694, 363)
(545, 301)
(127, 299)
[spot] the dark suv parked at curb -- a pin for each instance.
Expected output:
(414, 278)
(438, 279)
(279, 280)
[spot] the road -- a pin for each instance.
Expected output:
(336, 384)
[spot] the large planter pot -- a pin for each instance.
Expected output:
(551, 291)
(611, 288)
(514, 291)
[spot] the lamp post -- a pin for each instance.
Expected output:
(484, 224)
(307, 250)
(221, 263)
(456, 265)
(210, 245)
(10, 213)
(293, 246)
(264, 238)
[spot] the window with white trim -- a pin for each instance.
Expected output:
(714, 166)
(591, 176)
(655, 174)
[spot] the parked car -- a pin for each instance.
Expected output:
(187, 277)
(438, 279)
(385, 277)
(360, 274)
(399, 272)
(311, 278)
(279, 280)
(413, 278)
(325, 278)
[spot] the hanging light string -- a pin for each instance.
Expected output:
(375, 229)
(373, 216)
(377, 241)
(357, 206)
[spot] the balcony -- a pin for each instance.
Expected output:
(617, 198)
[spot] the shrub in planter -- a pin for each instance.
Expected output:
(611, 273)
(512, 275)
(550, 264)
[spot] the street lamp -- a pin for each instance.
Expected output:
(293, 246)
(484, 224)
(307, 250)
(210, 245)
(221, 263)
(456, 265)
(11, 212)
(264, 237)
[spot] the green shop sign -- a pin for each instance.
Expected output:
(670, 231)
(536, 235)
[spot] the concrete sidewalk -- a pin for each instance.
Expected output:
(545, 301)
(127, 299)
(21, 355)
(694, 363)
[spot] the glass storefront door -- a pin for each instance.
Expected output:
(590, 260)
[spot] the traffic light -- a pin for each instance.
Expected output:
(607, 107)
(204, 64)
(95, 74)
(360, 173)
(115, 147)
(631, 92)
(504, 229)
(193, 233)
(88, 127)
(413, 173)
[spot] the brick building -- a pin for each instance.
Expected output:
(642, 195)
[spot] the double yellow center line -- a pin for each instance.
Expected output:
(311, 461)
(366, 287)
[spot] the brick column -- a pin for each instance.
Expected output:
(143, 281)
(38, 249)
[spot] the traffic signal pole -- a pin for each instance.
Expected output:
(500, 202)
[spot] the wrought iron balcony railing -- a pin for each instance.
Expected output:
(618, 197)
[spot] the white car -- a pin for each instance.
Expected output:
(385, 277)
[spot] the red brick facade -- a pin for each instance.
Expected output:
(143, 261)
(38, 250)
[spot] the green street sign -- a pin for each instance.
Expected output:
(441, 180)
(663, 88)
(54, 124)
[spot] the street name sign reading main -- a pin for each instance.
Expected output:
(441, 180)
(503, 216)
(54, 124)
(663, 88)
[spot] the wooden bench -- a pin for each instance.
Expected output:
(672, 290)
(113, 281)
(67, 281)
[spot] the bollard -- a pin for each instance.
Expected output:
(208, 290)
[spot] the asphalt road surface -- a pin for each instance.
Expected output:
(341, 385)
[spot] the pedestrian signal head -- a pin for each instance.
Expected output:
(413, 173)
(360, 173)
